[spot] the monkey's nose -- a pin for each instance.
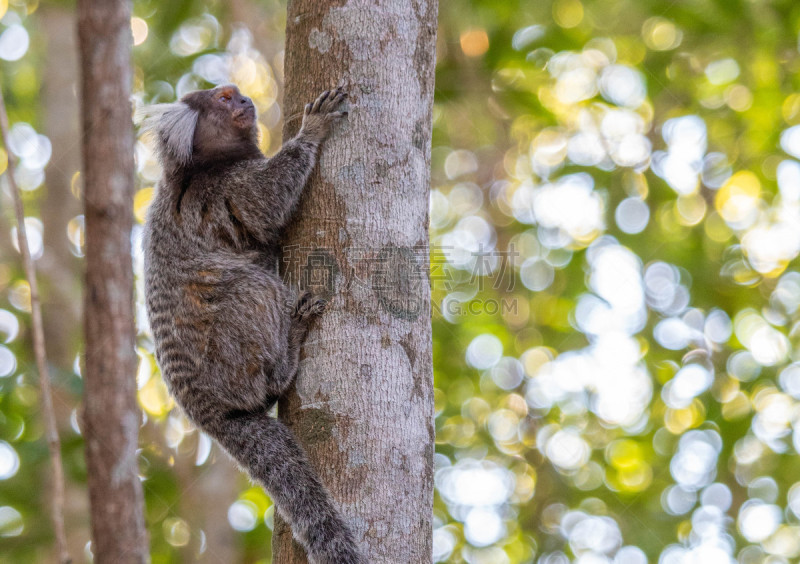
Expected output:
(244, 101)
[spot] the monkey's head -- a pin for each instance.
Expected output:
(204, 126)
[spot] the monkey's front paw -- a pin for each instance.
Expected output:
(327, 104)
(322, 112)
(309, 307)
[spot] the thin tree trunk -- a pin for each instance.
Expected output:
(53, 441)
(363, 404)
(207, 493)
(216, 491)
(111, 415)
(59, 267)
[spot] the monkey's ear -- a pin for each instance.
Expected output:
(174, 126)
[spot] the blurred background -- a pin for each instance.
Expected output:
(615, 218)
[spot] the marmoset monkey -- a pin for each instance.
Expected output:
(225, 339)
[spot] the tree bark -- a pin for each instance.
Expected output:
(111, 415)
(363, 404)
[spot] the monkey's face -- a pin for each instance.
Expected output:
(225, 120)
(205, 125)
(224, 106)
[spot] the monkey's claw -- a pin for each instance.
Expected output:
(327, 103)
(309, 307)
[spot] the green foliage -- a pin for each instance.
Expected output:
(615, 223)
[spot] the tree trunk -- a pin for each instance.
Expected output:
(111, 415)
(363, 404)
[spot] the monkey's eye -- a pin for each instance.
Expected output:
(224, 98)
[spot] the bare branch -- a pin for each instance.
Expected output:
(53, 442)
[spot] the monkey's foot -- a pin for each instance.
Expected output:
(308, 307)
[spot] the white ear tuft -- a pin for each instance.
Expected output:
(174, 125)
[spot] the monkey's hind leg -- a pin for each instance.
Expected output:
(307, 308)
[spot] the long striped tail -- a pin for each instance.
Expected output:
(273, 457)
